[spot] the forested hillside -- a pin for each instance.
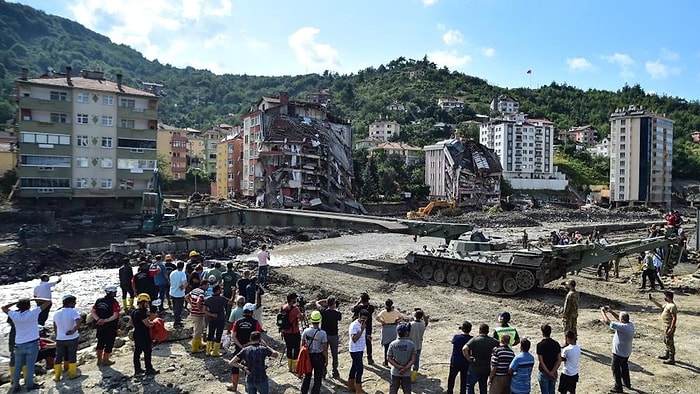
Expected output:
(198, 98)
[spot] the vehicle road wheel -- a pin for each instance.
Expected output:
(495, 285)
(439, 275)
(480, 282)
(465, 279)
(525, 279)
(427, 272)
(510, 285)
(452, 277)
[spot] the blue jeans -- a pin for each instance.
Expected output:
(25, 354)
(257, 388)
(547, 385)
(481, 379)
(357, 368)
(162, 294)
(262, 274)
(416, 365)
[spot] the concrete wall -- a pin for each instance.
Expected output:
(164, 245)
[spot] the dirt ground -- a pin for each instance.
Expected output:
(447, 307)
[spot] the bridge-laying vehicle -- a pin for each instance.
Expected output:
(486, 267)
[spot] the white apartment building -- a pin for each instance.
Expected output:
(526, 151)
(384, 129)
(641, 157)
(449, 103)
(505, 104)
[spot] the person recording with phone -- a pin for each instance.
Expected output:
(357, 332)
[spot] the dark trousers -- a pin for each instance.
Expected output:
(178, 303)
(216, 330)
(356, 368)
(476, 378)
(462, 371)
(106, 336)
(67, 351)
(44, 314)
(162, 295)
(651, 274)
(127, 290)
(621, 371)
(142, 345)
(318, 365)
(292, 343)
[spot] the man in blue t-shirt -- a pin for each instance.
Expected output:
(521, 369)
(621, 346)
(159, 272)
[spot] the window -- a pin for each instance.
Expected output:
(60, 96)
(107, 100)
(83, 98)
(128, 103)
(41, 138)
(106, 162)
(40, 183)
(107, 142)
(52, 161)
(107, 121)
(81, 140)
(132, 143)
(212, 156)
(128, 164)
(81, 183)
(127, 123)
(105, 183)
(82, 119)
(126, 184)
(59, 118)
(81, 162)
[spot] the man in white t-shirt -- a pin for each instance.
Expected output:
(357, 348)
(178, 285)
(263, 266)
(66, 323)
(44, 291)
(570, 355)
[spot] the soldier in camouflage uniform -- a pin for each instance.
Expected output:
(570, 313)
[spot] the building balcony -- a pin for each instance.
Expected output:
(46, 127)
(45, 149)
(137, 113)
(45, 105)
(142, 134)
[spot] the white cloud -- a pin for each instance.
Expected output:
(450, 59)
(667, 54)
(657, 70)
(217, 40)
(314, 55)
(489, 52)
(453, 37)
(428, 3)
(579, 64)
(623, 61)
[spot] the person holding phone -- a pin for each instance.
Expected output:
(357, 332)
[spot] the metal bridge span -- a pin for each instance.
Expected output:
(245, 216)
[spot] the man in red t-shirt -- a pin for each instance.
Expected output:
(105, 312)
(292, 336)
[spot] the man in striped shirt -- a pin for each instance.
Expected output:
(499, 379)
(521, 369)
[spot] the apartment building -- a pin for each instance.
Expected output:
(229, 166)
(463, 171)
(172, 145)
(410, 154)
(211, 139)
(505, 104)
(85, 140)
(448, 103)
(525, 148)
(384, 129)
(322, 97)
(586, 135)
(641, 157)
(297, 155)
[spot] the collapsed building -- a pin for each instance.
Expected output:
(297, 155)
(463, 171)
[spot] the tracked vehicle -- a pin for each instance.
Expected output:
(482, 267)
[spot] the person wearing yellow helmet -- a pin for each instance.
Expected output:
(141, 321)
(192, 262)
(316, 341)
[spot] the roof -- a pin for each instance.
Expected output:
(471, 155)
(543, 121)
(394, 146)
(102, 85)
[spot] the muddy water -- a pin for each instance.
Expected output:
(87, 286)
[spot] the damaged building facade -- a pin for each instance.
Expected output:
(297, 155)
(463, 171)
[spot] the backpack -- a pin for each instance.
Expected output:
(153, 270)
(283, 321)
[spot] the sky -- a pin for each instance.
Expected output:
(598, 44)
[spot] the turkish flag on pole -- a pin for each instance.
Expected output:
(529, 71)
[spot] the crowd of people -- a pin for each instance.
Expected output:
(224, 306)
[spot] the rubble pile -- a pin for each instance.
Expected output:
(201, 204)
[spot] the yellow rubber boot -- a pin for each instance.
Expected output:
(294, 366)
(210, 344)
(73, 370)
(196, 345)
(57, 369)
(130, 303)
(216, 349)
(289, 365)
(414, 376)
(124, 304)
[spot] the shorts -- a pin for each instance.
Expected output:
(568, 383)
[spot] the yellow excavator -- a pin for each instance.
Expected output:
(428, 209)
